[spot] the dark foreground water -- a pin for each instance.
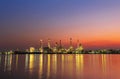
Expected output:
(60, 66)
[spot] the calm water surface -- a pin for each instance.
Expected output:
(60, 66)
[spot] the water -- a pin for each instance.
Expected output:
(60, 66)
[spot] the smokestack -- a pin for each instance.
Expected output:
(41, 43)
(56, 44)
(77, 43)
(49, 43)
(60, 44)
(70, 41)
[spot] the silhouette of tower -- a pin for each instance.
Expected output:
(49, 43)
(77, 43)
(41, 43)
(60, 44)
(41, 46)
(71, 42)
(56, 45)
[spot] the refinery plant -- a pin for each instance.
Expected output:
(58, 48)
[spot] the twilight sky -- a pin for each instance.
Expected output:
(96, 23)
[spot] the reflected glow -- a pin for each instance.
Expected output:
(31, 62)
(0, 59)
(63, 58)
(62, 66)
(16, 61)
(79, 63)
(41, 66)
(9, 62)
(104, 63)
(5, 63)
(54, 61)
(70, 57)
(26, 61)
(62, 63)
(48, 66)
(70, 65)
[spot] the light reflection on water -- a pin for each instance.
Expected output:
(60, 66)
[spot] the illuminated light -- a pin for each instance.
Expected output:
(48, 66)
(79, 49)
(41, 50)
(31, 63)
(41, 46)
(32, 49)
